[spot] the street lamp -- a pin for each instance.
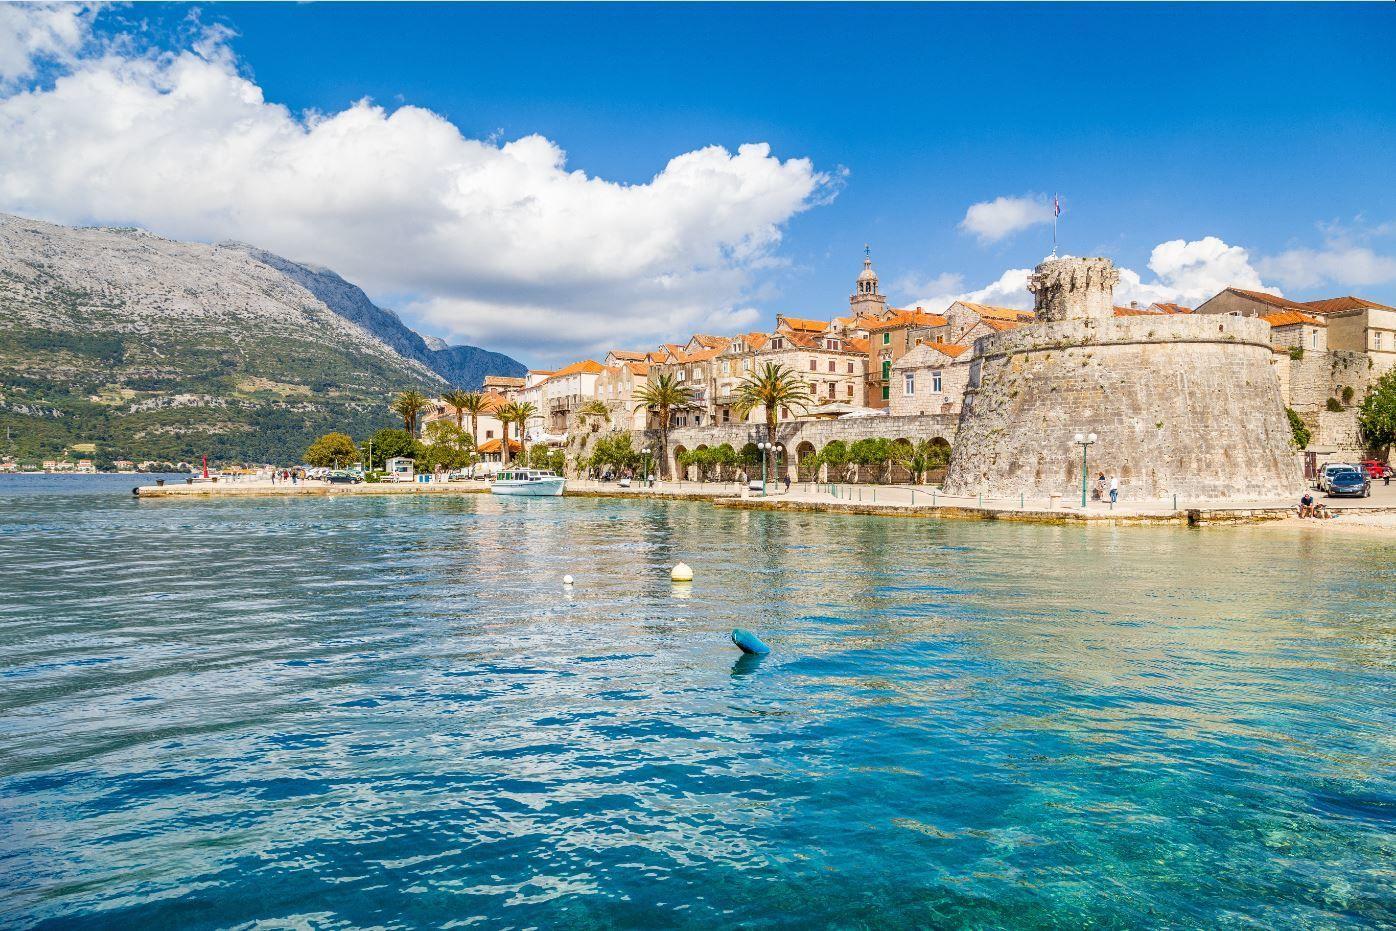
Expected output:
(1084, 440)
(771, 448)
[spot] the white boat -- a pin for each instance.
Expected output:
(536, 482)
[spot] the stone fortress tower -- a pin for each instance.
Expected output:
(1180, 404)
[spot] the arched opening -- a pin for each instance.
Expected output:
(677, 469)
(941, 460)
(899, 472)
(805, 463)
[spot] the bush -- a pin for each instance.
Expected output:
(1296, 353)
(1335, 405)
(1297, 427)
(1347, 394)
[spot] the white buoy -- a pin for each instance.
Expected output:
(681, 573)
(567, 580)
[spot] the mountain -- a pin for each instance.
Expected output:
(157, 349)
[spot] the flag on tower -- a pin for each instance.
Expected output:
(1056, 205)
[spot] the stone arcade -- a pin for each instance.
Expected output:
(1186, 405)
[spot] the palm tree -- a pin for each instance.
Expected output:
(663, 396)
(473, 403)
(505, 413)
(455, 398)
(517, 414)
(772, 386)
(409, 406)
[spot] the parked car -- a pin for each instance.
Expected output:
(1327, 471)
(340, 477)
(1374, 468)
(1349, 483)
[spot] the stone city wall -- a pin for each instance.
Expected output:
(1180, 405)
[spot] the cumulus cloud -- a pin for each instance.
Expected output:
(1355, 266)
(31, 33)
(1185, 273)
(996, 219)
(498, 243)
(1344, 259)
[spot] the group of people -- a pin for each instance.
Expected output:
(1309, 508)
(1106, 487)
(285, 475)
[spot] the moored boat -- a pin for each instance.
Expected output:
(533, 482)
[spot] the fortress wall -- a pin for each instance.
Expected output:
(1181, 405)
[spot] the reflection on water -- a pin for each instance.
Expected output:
(390, 713)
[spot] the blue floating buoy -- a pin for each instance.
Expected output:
(749, 642)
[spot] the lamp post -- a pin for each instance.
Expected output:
(1084, 440)
(765, 448)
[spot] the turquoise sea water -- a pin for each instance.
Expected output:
(387, 713)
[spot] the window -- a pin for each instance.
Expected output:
(886, 339)
(681, 374)
(832, 344)
(935, 382)
(886, 369)
(908, 383)
(1313, 340)
(833, 366)
(777, 343)
(886, 392)
(850, 389)
(489, 434)
(850, 368)
(813, 365)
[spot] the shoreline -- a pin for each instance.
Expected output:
(1378, 521)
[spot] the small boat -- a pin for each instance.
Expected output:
(536, 482)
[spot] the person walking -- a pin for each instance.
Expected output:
(1114, 489)
(1099, 491)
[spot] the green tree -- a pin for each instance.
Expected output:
(774, 387)
(332, 449)
(749, 456)
(557, 461)
(539, 456)
(390, 444)
(921, 457)
(1297, 427)
(1377, 413)
(615, 450)
(511, 414)
(663, 396)
(447, 447)
(835, 455)
(870, 452)
(409, 405)
(725, 458)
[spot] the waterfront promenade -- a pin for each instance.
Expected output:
(885, 500)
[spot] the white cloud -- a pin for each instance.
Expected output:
(1186, 273)
(992, 220)
(34, 32)
(1345, 259)
(498, 244)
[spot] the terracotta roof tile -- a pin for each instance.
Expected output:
(1291, 317)
(953, 350)
(629, 355)
(905, 318)
(988, 311)
(1283, 303)
(1170, 308)
(1333, 305)
(796, 323)
(492, 446)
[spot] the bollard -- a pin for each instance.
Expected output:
(1020, 500)
(160, 483)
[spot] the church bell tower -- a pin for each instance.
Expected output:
(866, 300)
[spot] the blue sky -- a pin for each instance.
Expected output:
(1269, 128)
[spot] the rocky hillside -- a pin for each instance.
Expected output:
(167, 350)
